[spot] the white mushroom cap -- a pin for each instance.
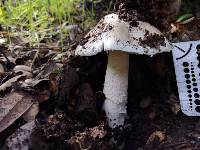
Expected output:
(111, 33)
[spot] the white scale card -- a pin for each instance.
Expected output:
(187, 69)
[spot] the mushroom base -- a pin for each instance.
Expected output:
(115, 88)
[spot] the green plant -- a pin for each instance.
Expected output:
(35, 20)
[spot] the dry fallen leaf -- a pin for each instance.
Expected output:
(22, 68)
(186, 31)
(98, 132)
(21, 138)
(2, 70)
(31, 113)
(174, 104)
(9, 83)
(88, 139)
(12, 106)
(157, 135)
(25, 138)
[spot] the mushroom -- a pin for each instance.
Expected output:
(120, 38)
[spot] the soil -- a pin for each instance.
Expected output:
(143, 10)
(84, 101)
(153, 41)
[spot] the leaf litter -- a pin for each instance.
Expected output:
(13, 106)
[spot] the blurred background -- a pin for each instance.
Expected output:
(54, 21)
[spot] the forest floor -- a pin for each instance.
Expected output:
(69, 92)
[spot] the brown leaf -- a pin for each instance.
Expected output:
(98, 132)
(2, 70)
(157, 135)
(47, 69)
(12, 106)
(187, 31)
(31, 113)
(79, 142)
(89, 139)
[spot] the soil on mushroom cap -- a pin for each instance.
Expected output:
(153, 41)
(95, 32)
(133, 10)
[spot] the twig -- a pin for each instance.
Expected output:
(80, 145)
(35, 56)
(52, 48)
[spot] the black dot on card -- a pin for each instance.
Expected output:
(190, 103)
(198, 57)
(189, 91)
(193, 79)
(196, 95)
(187, 76)
(195, 89)
(193, 75)
(198, 46)
(189, 86)
(192, 71)
(197, 108)
(199, 64)
(188, 81)
(197, 101)
(190, 95)
(190, 99)
(186, 70)
(194, 84)
(191, 107)
(185, 64)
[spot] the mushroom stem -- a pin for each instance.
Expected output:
(115, 87)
